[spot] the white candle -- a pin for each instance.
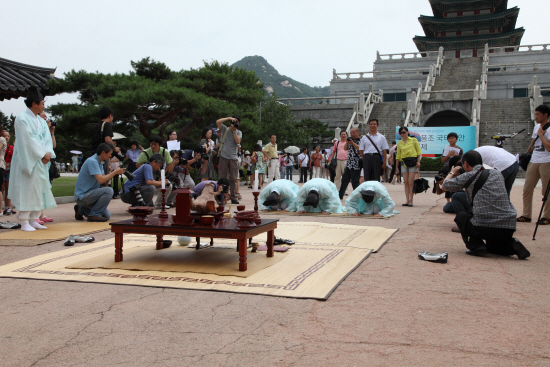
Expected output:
(256, 181)
(162, 178)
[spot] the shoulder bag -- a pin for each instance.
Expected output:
(333, 161)
(524, 159)
(368, 137)
(217, 150)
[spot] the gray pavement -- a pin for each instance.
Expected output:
(393, 310)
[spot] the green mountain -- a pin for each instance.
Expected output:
(282, 85)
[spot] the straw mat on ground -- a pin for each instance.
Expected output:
(365, 216)
(211, 260)
(310, 270)
(55, 232)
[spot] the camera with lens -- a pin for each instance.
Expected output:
(225, 189)
(200, 149)
(125, 162)
(53, 123)
(236, 123)
(349, 138)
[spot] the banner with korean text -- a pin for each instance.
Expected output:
(434, 139)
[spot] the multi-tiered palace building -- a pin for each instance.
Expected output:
(470, 70)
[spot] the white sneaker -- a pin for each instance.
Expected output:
(25, 226)
(35, 224)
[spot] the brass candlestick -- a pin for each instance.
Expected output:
(163, 213)
(255, 193)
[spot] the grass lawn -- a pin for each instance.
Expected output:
(64, 186)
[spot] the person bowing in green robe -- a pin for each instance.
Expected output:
(30, 189)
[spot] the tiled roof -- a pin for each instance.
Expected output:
(473, 18)
(475, 37)
(16, 78)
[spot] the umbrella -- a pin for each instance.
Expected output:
(76, 152)
(292, 149)
(117, 136)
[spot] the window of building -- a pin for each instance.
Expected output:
(521, 92)
(395, 97)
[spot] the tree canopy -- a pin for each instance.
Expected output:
(153, 97)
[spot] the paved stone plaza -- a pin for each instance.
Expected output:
(394, 309)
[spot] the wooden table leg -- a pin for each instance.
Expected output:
(270, 241)
(211, 241)
(159, 242)
(118, 246)
(242, 255)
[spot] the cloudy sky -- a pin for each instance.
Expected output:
(304, 40)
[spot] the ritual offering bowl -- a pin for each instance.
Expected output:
(211, 206)
(207, 220)
(246, 218)
(221, 209)
(241, 207)
(140, 213)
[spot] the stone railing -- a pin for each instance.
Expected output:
(321, 100)
(524, 66)
(484, 71)
(414, 107)
(535, 96)
(520, 48)
(363, 110)
(406, 55)
(399, 73)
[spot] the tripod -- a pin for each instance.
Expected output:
(544, 199)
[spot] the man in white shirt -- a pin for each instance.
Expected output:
(303, 161)
(373, 161)
(539, 167)
(503, 161)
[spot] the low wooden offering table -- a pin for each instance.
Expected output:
(226, 228)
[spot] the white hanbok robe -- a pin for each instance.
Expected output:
(30, 188)
(285, 188)
(329, 199)
(382, 199)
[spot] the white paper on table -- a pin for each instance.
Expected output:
(173, 145)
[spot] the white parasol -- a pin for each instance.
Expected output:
(76, 152)
(292, 149)
(117, 136)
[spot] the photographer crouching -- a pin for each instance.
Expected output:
(491, 216)
(180, 177)
(139, 190)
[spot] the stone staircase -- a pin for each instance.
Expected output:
(458, 74)
(505, 117)
(389, 115)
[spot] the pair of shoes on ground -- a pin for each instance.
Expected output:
(406, 205)
(281, 241)
(239, 197)
(7, 211)
(542, 221)
(70, 241)
(234, 201)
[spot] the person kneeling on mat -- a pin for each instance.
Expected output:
(220, 188)
(491, 217)
(318, 196)
(140, 190)
(279, 195)
(370, 197)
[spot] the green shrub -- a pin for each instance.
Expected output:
(430, 164)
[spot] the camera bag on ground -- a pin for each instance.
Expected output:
(420, 185)
(217, 150)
